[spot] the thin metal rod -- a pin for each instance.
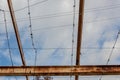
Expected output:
(79, 37)
(80, 26)
(16, 32)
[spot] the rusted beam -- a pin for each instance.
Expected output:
(16, 32)
(79, 37)
(80, 26)
(59, 70)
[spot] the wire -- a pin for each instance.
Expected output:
(103, 8)
(31, 33)
(85, 22)
(29, 6)
(63, 48)
(113, 48)
(93, 9)
(62, 14)
(54, 27)
(47, 28)
(102, 20)
(87, 10)
(109, 58)
(73, 31)
(8, 42)
(39, 48)
(43, 17)
(74, 7)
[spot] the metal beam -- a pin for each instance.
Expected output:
(16, 33)
(80, 26)
(79, 37)
(59, 70)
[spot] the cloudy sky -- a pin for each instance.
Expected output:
(52, 28)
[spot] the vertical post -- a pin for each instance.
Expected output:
(79, 37)
(16, 32)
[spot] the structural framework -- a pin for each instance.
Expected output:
(57, 70)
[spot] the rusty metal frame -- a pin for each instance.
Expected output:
(59, 70)
(79, 36)
(16, 32)
(80, 27)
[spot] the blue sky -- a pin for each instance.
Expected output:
(52, 28)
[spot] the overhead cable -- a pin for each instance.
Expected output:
(29, 6)
(8, 42)
(31, 33)
(86, 10)
(47, 28)
(110, 55)
(85, 22)
(73, 31)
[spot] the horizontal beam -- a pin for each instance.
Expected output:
(59, 70)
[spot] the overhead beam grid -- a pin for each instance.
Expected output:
(57, 70)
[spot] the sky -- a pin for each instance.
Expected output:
(52, 28)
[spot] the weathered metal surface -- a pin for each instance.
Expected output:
(59, 70)
(80, 27)
(16, 32)
(79, 37)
